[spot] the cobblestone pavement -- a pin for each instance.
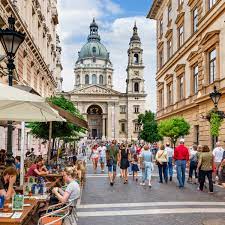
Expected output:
(163, 204)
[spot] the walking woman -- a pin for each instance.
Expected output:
(205, 167)
(162, 162)
(124, 158)
(146, 160)
(94, 157)
(193, 165)
(221, 173)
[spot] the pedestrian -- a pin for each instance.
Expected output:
(218, 156)
(221, 173)
(205, 167)
(193, 164)
(170, 153)
(83, 148)
(132, 152)
(135, 167)
(101, 151)
(181, 157)
(161, 161)
(146, 159)
(124, 158)
(94, 157)
(112, 156)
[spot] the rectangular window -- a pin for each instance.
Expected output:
(180, 36)
(181, 88)
(195, 74)
(136, 127)
(212, 66)
(180, 2)
(122, 109)
(196, 130)
(160, 58)
(123, 127)
(169, 12)
(161, 99)
(136, 109)
(161, 27)
(169, 94)
(211, 3)
(195, 19)
(169, 49)
(93, 122)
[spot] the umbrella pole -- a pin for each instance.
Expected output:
(22, 153)
(49, 141)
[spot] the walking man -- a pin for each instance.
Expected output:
(181, 157)
(170, 153)
(101, 151)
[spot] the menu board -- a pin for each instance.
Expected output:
(17, 202)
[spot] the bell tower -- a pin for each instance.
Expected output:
(135, 67)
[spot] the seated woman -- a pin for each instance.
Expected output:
(36, 169)
(72, 191)
(7, 180)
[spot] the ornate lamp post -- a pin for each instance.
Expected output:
(215, 97)
(11, 40)
(139, 132)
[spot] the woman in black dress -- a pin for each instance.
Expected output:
(124, 158)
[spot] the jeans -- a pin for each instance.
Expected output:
(163, 170)
(202, 175)
(193, 168)
(147, 172)
(170, 166)
(130, 168)
(181, 168)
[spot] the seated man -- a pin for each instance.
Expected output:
(72, 191)
(7, 181)
(36, 169)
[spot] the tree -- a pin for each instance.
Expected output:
(59, 129)
(174, 128)
(149, 131)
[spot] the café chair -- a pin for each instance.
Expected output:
(73, 207)
(57, 216)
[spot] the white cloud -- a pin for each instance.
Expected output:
(75, 20)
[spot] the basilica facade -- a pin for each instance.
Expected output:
(110, 114)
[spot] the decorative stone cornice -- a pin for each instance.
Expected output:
(179, 69)
(154, 9)
(180, 18)
(210, 39)
(160, 44)
(169, 33)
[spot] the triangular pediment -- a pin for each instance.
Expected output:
(95, 89)
(192, 55)
(209, 35)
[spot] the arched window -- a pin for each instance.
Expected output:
(87, 79)
(78, 80)
(136, 58)
(94, 50)
(94, 79)
(109, 80)
(136, 87)
(100, 79)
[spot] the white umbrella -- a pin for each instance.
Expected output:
(19, 105)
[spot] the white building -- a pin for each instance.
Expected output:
(110, 114)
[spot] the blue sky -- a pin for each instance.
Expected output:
(115, 19)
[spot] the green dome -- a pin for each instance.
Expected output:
(93, 49)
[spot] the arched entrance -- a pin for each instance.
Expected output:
(94, 117)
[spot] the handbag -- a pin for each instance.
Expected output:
(157, 162)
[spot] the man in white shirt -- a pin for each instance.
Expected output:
(102, 154)
(170, 153)
(218, 156)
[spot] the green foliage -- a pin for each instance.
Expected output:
(149, 131)
(215, 123)
(174, 128)
(59, 129)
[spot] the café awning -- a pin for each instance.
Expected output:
(70, 117)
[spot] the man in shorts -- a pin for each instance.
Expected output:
(112, 161)
(101, 151)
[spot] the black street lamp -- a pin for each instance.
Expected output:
(139, 132)
(215, 97)
(11, 40)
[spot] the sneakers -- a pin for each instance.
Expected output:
(142, 184)
(171, 178)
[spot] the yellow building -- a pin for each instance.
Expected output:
(190, 62)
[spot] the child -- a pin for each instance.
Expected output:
(135, 168)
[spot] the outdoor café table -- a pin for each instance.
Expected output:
(27, 213)
(53, 177)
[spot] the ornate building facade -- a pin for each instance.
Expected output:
(110, 114)
(190, 43)
(38, 65)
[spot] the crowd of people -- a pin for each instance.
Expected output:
(200, 161)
